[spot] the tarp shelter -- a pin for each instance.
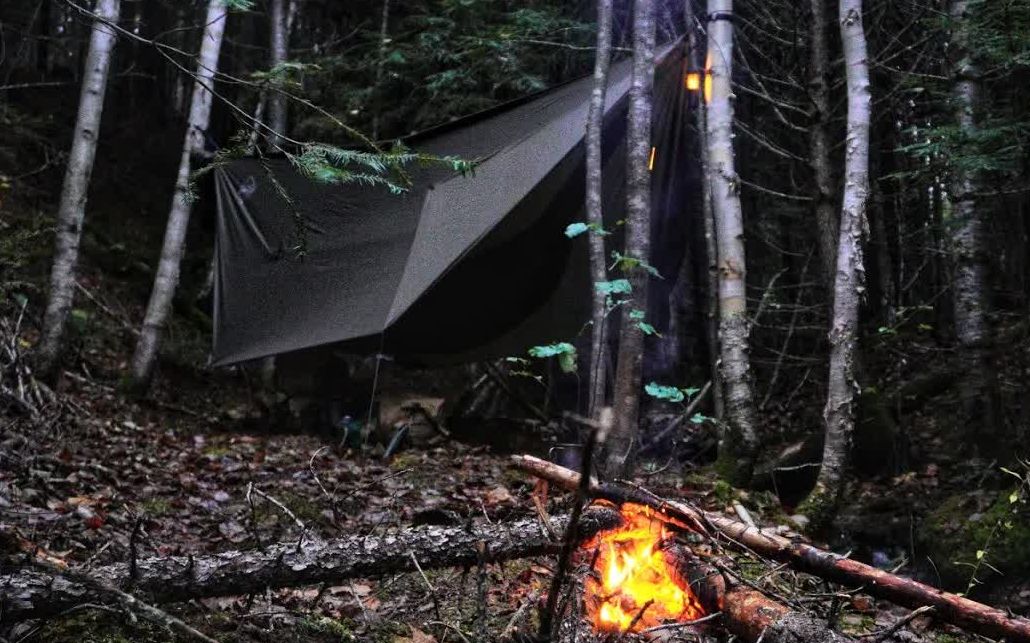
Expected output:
(456, 268)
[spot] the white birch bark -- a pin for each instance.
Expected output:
(839, 413)
(595, 126)
(167, 278)
(622, 442)
(71, 212)
(696, 47)
(738, 438)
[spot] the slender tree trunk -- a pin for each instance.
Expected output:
(71, 212)
(167, 278)
(739, 436)
(968, 241)
(839, 413)
(695, 47)
(819, 143)
(638, 240)
(279, 50)
(595, 218)
(384, 30)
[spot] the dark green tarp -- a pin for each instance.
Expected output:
(457, 267)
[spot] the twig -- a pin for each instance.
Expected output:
(888, 632)
(674, 626)
(514, 621)
(582, 493)
(432, 590)
(286, 510)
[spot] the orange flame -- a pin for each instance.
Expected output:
(636, 589)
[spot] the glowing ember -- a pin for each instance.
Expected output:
(636, 589)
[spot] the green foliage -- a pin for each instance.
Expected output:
(626, 264)
(444, 59)
(616, 287)
(663, 392)
(575, 229)
(564, 351)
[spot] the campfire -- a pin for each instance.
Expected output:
(634, 585)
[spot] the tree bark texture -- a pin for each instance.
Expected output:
(849, 283)
(950, 608)
(279, 52)
(71, 212)
(746, 612)
(595, 216)
(739, 436)
(167, 278)
(695, 47)
(384, 30)
(819, 143)
(968, 241)
(622, 442)
(29, 593)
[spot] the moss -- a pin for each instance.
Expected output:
(102, 627)
(340, 629)
(156, 507)
(964, 524)
(820, 507)
(303, 507)
(724, 492)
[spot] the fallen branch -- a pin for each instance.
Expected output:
(29, 593)
(951, 608)
(749, 614)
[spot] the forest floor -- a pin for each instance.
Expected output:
(176, 468)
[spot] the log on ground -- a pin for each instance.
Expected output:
(29, 593)
(950, 608)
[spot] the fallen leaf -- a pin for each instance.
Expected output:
(417, 636)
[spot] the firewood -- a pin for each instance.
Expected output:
(30, 593)
(950, 608)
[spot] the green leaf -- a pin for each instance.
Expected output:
(617, 287)
(648, 329)
(662, 392)
(636, 315)
(576, 229)
(1014, 497)
(567, 362)
(626, 263)
(691, 391)
(980, 554)
(699, 418)
(551, 350)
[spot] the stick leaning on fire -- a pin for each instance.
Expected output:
(947, 607)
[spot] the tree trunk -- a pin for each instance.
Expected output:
(622, 443)
(839, 413)
(819, 143)
(695, 48)
(968, 233)
(950, 608)
(31, 594)
(167, 277)
(595, 125)
(279, 52)
(71, 212)
(384, 27)
(738, 439)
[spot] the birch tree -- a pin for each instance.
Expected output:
(738, 437)
(595, 219)
(968, 243)
(839, 413)
(695, 49)
(167, 278)
(638, 240)
(71, 212)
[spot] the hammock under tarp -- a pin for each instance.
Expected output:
(457, 267)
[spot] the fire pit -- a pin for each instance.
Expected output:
(634, 585)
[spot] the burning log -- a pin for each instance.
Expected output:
(748, 613)
(951, 608)
(28, 593)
